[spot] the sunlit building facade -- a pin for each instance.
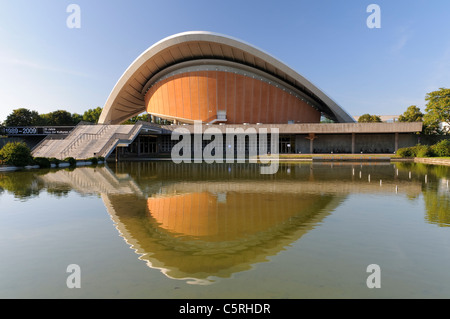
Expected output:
(216, 79)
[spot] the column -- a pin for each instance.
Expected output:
(311, 137)
(396, 142)
(353, 143)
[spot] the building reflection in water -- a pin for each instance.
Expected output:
(199, 224)
(198, 236)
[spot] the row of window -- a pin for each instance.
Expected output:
(164, 144)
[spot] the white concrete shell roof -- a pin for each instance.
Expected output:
(128, 95)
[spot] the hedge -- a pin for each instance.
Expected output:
(19, 154)
(43, 162)
(71, 161)
(440, 149)
(94, 160)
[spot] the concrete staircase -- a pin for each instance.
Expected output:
(87, 180)
(87, 141)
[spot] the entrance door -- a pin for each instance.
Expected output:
(286, 145)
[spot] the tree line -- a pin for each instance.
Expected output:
(26, 117)
(437, 111)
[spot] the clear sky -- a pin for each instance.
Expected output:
(47, 66)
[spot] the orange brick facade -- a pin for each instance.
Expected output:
(199, 95)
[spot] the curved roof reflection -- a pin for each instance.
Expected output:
(201, 236)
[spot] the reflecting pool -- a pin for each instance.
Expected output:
(165, 230)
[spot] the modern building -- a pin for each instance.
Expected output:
(216, 79)
(224, 83)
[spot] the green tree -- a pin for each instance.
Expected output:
(142, 117)
(437, 111)
(59, 117)
(412, 114)
(92, 115)
(23, 117)
(368, 118)
(76, 118)
(16, 153)
(324, 119)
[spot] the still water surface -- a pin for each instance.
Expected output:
(162, 230)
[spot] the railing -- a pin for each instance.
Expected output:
(82, 137)
(50, 137)
(112, 141)
(116, 138)
(104, 127)
(107, 148)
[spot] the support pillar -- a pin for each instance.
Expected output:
(353, 142)
(396, 142)
(311, 137)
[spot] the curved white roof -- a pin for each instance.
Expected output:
(127, 98)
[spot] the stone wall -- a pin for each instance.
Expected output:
(434, 161)
(365, 143)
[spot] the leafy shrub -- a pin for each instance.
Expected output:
(441, 149)
(404, 152)
(414, 150)
(54, 160)
(94, 160)
(43, 162)
(424, 151)
(16, 153)
(71, 161)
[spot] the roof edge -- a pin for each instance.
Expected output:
(187, 36)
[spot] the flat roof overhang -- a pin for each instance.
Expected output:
(313, 128)
(127, 98)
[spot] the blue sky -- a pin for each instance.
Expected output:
(46, 66)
